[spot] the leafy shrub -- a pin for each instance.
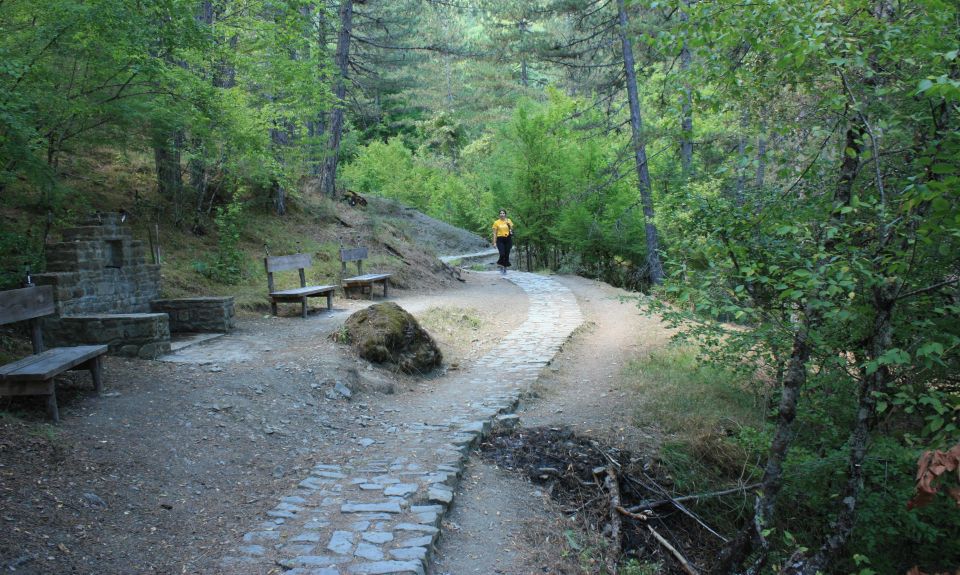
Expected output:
(227, 265)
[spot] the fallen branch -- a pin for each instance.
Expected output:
(637, 516)
(610, 482)
(673, 551)
(397, 253)
(654, 486)
(644, 505)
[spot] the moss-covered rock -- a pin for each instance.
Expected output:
(387, 333)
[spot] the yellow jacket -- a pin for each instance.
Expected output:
(502, 228)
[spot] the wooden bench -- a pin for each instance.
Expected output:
(34, 375)
(363, 282)
(299, 295)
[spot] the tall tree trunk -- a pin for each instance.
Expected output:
(328, 176)
(740, 193)
(751, 538)
(197, 166)
(166, 156)
(686, 109)
(523, 27)
(281, 136)
(655, 268)
(761, 150)
(881, 341)
(317, 127)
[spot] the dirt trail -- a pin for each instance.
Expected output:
(498, 521)
(164, 472)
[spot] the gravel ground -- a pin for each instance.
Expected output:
(166, 470)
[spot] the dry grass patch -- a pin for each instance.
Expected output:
(681, 396)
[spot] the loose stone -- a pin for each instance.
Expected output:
(417, 542)
(313, 561)
(369, 551)
(308, 537)
(298, 549)
(252, 549)
(377, 536)
(438, 494)
(330, 475)
(385, 507)
(388, 568)
(405, 553)
(415, 527)
(341, 542)
(401, 489)
(261, 536)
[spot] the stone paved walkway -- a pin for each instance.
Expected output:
(380, 513)
(463, 257)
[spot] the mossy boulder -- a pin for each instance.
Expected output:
(387, 333)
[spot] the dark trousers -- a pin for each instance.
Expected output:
(503, 246)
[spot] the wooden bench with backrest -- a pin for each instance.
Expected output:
(361, 281)
(299, 262)
(34, 375)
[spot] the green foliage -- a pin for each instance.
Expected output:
(393, 171)
(19, 255)
(634, 567)
(77, 75)
(849, 264)
(229, 262)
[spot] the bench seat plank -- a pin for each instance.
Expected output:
(366, 278)
(303, 291)
(46, 365)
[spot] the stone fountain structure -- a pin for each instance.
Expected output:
(107, 288)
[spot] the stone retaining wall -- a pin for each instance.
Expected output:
(197, 314)
(144, 335)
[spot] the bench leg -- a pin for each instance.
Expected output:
(329, 301)
(303, 304)
(273, 307)
(96, 372)
(384, 289)
(52, 410)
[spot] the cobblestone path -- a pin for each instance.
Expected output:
(380, 512)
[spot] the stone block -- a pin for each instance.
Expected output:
(198, 314)
(133, 335)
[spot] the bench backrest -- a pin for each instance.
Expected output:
(292, 262)
(27, 303)
(352, 255)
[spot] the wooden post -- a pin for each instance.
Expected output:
(96, 370)
(52, 409)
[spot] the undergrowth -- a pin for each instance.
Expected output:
(685, 398)
(717, 429)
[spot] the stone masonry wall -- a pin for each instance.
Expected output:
(144, 335)
(100, 268)
(103, 285)
(197, 314)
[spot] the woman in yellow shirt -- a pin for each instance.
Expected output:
(503, 239)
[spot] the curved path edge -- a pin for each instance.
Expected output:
(380, 512)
